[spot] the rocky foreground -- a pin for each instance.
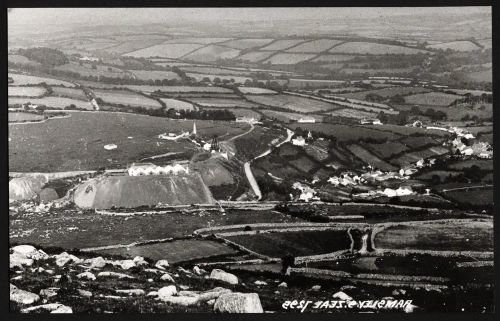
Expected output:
(67, 283)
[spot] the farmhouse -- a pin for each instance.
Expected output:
(144, 169)
(306, 120)
(86, 58)
(243, 119)
(371, 121)
(299, 141)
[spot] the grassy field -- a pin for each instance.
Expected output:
(52, 102)
(69, 93)
(288, 58)
(168, 50)
(315, 46)
(288, 117)
(387, 150)
(255, 56)
(71, 229)
(481, 76)
(452, 236)
(26, 91)
(481, 163)
(221, 102)
(352, 113)
(474, 197)
(176, 251)
(212, 53)
(127, 98)
(87, 70)
(386, 92)
(214, 70)
(180, 89)
(33, 80)
(346, 133)
(155, 74)
(76, 143)
(255, 90)
(369, 158)
(246, 43)
(333, 58)
(413, 157)
(373, 49)
(431, 99)
(21, 117)
(282, 44)
(455, 45)
(238, 112)
(200, 77)
(18, 59)
(177, 104)
(293, 103)
(294, 243)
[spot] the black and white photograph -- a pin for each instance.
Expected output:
(250, 160)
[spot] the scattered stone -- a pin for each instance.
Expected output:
(131, 292)
(397, 292)
(19, 277)
(347, 288)
(180, 300)
(181, 269)
(342, 296)
(238, 303)
(96, 262)
(213, 294)
(198, 271)
(258, 282)
(410, 308)
(49, 292)
(140, 261)
(218, 274)
(161, 264)
(283, 285)
(152, 293)
(150, 280)
(86, 275)
(154, 271)
(47, 195)
(21, 296)
(49, 272)
(211, 302)
(193, 294)
(115, 274)
(65, 258)
(316, 288)
(183, 287)
(38, 270)
(125, 264)
(84, 293)
(19, 260)
(167, 291)
(30, 252)
(63, 309)
(167, 277)
(276, 292)
(51, 307)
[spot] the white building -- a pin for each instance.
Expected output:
(306, 120)
(144, 169)
(299, 141)
(173, 136)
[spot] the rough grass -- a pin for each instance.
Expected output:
(127, 98)
(288, 58)
(293, 103)
(26, 91)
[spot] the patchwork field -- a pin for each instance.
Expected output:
(74, 93)
(33, 80)
(52, 102)
(282, 44)
(413, 157)
(177, 104)
(255, 90)
(431, 99)
(455, 45)
(255, 56)
(176, 251)
(246, 43)
(197, 40)
(370, 159)
(180, 89)
(294, 243)
(76, 143)
(346, 133)
(212, 53)
(239, 112)
(169, 50)
(288, 117)
(315, 46)
(214, 70)
(333, 58)
(481, 76)
(87, 70)
(26, 91)
(293, 103)
(127, 98)
(201, 77)
(386, 92)
(387, 150)
(315, 83)
(18, 59)
(364, 48)
(154, 74)
(352, 113)
(221, 102)
(288, 58)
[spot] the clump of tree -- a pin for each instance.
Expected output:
(45, 56)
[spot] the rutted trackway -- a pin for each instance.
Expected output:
(248, 170)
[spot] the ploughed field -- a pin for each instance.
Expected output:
(77, 142)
